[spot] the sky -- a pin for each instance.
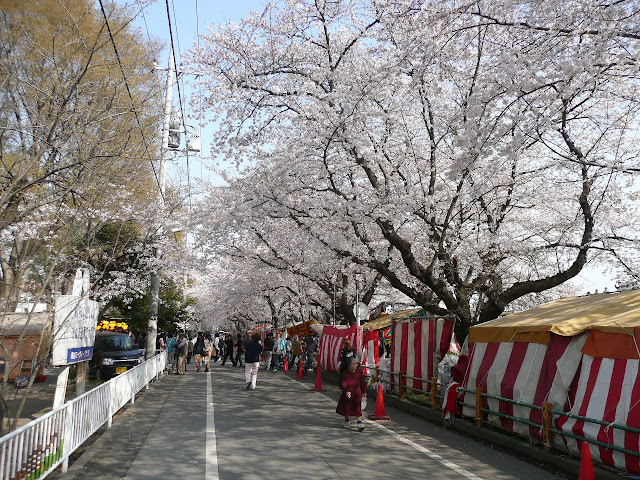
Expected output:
(185, 26)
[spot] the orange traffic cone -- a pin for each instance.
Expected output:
(586, 466)
(379, 413)
(300, 371)
(318, 386)
(286, 365)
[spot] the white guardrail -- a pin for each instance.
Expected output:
(37, 448)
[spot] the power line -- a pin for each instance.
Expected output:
(182, 106)
(133, 105)
(179, 92)
(199, 92)
(144, 19)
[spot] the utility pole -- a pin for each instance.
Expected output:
(152, 326)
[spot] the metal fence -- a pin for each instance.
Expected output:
(34, 450)
(398, 384)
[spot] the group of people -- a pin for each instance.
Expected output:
(181, 349)
(203, 349)
(275, 350)
(293, 350)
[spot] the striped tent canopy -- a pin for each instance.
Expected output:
(331, 344)
(419, 343)
(579, 354)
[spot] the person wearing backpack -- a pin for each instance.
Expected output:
(182, 348)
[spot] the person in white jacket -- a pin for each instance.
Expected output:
(208, 350)
(216, 345)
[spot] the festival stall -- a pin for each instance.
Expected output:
(419, 343)
(581, 355)
(383, 325)
(331, 344)
(370, 352)
(302, 330)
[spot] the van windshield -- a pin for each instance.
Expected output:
(115, 343)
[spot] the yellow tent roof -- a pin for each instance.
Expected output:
(606, 312)
(385, 320)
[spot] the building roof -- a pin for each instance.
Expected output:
(13, 324)
(607, 312)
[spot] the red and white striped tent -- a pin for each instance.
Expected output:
(581, 355)
(330, 344)
(418, 344)
(370, 352)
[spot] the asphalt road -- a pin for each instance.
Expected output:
(281, 430)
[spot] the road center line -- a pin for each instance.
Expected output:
(411, 443)
(211, 451)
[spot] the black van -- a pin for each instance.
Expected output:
(114, 353)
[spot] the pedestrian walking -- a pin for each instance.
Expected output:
(239, 351)
(228, 350)
(209, 350)
(252, 361)
(296, 351)
(216, 346)
(190, 350)
(181, 349)
(198, 352)
(160, 342)
(288, 344)
(354, 387)
(171, 347)
(278, 350)
(346, 354)
(268, 348)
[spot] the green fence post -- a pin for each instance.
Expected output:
(479, 414)
(547, 425)
(434, 398)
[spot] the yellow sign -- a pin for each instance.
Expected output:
(112, 325)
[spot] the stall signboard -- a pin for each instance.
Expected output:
(74, 327)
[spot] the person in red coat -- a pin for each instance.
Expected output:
(354, 386)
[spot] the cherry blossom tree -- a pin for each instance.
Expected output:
(471, 154)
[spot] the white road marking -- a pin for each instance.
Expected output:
(211, 452)
(426, 451)
(411, 443)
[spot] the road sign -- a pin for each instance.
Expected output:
(361, 311)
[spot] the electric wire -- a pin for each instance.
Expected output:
(133, 105)
(179, 93)
(199, 94)
(144, 19)
(182, 105)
